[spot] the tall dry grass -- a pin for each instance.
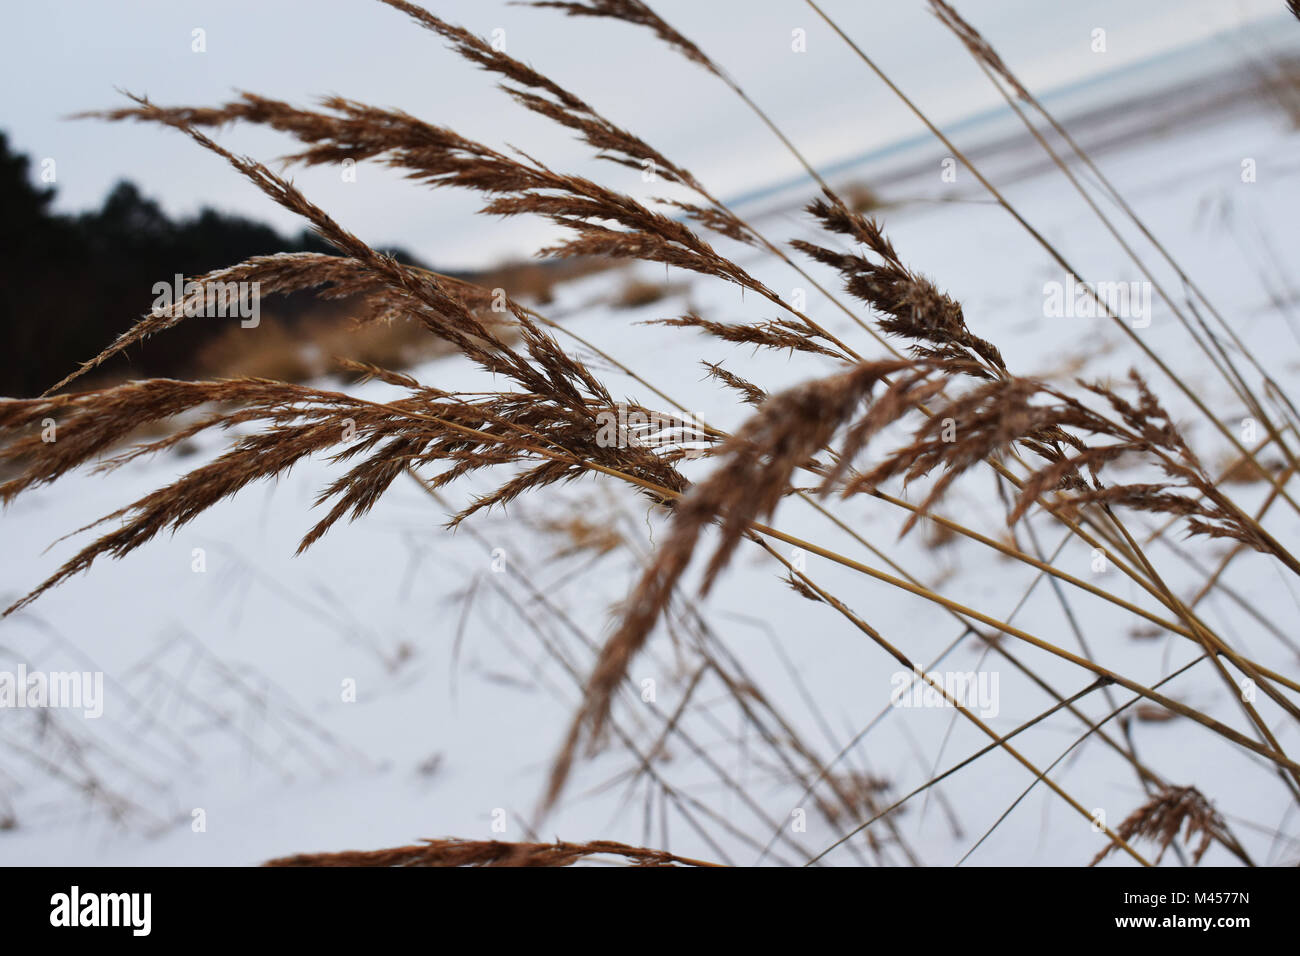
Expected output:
(913, 363)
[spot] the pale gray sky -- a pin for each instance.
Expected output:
(57, 58)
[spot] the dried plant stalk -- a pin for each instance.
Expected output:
(489, 853)
(542, 421)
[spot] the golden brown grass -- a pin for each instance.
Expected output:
(1162, 817)
(490, 853)
(1050, 449)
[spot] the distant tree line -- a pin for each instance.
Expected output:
(69, 284)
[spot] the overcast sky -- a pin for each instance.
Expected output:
(63, 56)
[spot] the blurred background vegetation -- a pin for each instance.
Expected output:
(70, 284)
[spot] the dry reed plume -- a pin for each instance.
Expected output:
(1162, 817)
(489, 853)
(952, 406)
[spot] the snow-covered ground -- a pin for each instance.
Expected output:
(225, 687)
